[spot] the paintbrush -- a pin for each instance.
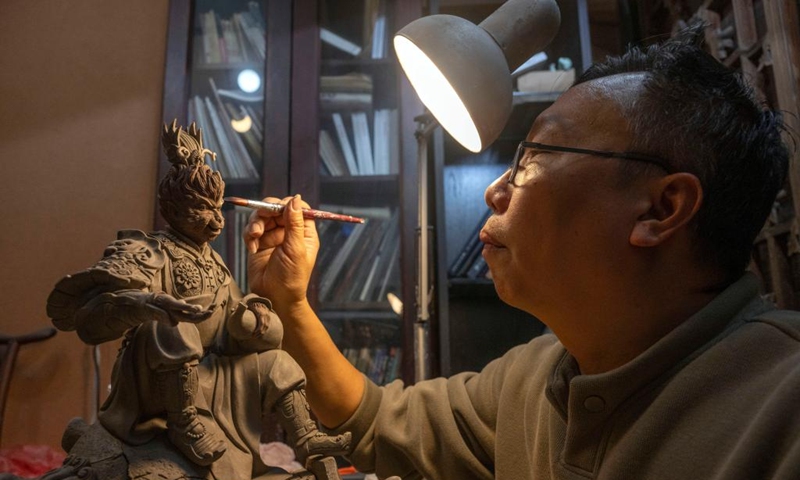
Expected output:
(278, 208)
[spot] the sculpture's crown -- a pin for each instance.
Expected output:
(184, 147)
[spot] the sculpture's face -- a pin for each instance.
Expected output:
(200, 219)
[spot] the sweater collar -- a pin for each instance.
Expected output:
(567, 387)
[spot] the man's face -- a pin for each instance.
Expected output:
(560, 229)
(201, 220)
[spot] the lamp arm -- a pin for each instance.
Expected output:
(426, 124)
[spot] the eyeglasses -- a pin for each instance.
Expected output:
(555, 148)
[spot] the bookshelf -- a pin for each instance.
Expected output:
(474, 325)
(357, 159)
(321, 66)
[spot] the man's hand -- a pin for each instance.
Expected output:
(168, 309)
(283, 249)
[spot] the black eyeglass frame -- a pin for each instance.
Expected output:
(598, 153)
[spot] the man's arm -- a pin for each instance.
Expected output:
(283, 250)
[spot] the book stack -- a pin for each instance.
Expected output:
(231, 247)
(232, 128)
(359, 262)
(380, 364)
(236, 39)
(352, 145)
(352, 91)
(470, 263)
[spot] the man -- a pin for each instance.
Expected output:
(199, 361)
(625, 224)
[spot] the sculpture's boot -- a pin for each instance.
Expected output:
(304, 436)
(196, 437)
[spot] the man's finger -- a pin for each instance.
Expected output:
(295, 227)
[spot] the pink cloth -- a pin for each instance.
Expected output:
(30, 461)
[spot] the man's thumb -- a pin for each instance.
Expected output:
(293, 217)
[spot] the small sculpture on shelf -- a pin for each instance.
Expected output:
(200, 364)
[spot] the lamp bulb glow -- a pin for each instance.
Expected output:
(249, 81)
(437, 94)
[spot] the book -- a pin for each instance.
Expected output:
(368, 29)
(477, 268)
(331, 101)
(253, 31)
(241, 159)
(363, 143)
(473, 254)
(330, 276)
(382, 141)
(394, 141)
(352, 281)
(331, 155)
(225, 153)
(344, 142)
(379, 259)
(469, 250)
(331, 240)
(211, 44)
(391, 276)
(379, 33)
(339, 42)
(351, 82)
(200, 115)
(377, 370)
(232, 48)
(237, 38)
(393, 364)
(364, 360)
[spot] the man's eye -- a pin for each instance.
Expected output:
(528, 157)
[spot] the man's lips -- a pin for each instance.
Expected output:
(488, 240)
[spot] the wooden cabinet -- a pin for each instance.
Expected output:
(760, 38)
(326, 118)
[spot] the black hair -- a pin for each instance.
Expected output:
(703, 118)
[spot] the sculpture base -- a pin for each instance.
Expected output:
(95, 454)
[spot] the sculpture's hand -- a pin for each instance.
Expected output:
(264, 318)
(283, 249)
(168, 309)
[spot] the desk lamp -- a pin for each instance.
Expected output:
(462, 74)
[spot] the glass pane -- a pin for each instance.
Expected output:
(226, 89)
(226, 100)
(359, 171)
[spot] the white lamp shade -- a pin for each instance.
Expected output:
(462, 71)
(460, 74)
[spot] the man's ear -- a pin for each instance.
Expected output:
(674, 201)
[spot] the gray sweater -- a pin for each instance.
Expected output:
(717, 398)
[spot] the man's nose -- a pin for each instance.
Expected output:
(498, 193)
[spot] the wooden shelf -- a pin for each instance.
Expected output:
(388, 62)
